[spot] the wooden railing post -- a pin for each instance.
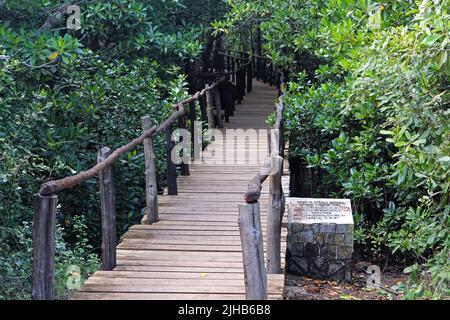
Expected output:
(151, 189)
(274, 217)
(172, 188)
(252, 251)
(209, 108)
(258, 68)
(184, 167)
(271, 78)
(227, 103)
(44, 221)
(192, 119)
(233, 69)
(218, 104)
(239, 85)
(108, 208)
(203, 107)
(249, 77)
(244, 80)
(264, 70)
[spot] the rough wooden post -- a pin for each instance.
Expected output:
(239, 85)
(274, 142)
(218, 104)
(172, 188)
(209, 110)
(264, 70)
(151, 188)
(108, 207)
(244, 78)
(44, 220)
(184, 167)
(203, 108)
(252, 251)
(233, 70)
(192, 118)
(250, 77)
(258, 68)
(271, 78)
(226, 94)
(274, 217)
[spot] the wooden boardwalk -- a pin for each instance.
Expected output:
(194, 251)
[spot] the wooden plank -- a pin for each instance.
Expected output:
(208, 234)
(217, 227)
(183, 243)
(179, 255)
(159, 296)
(168, 275)
(174, 268)
(185, 232)
(171, 288)
(153, 296)
(108, 212)
(200, 280)
(187, 248)
(163, 288)
(181, 247)
(146, 282)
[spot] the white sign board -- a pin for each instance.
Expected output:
(317, 210)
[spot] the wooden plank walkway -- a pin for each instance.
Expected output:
(194, 251)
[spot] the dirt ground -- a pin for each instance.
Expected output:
(303, 288)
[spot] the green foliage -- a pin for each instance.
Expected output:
(372, 120)
(64, 94)
(15, 266)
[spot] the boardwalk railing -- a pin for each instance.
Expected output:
(228, 84)
(250, 216)
(216, 100)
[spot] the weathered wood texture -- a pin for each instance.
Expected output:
(172, 186)
(218, 109)
(209, 108)
(194, 251)
(274, 218)
(252, 251)
(44, 221)
(108, 208)
(151, 189)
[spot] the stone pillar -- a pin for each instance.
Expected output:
(320, 238)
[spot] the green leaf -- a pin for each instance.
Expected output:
(419, 142)
(432, 38)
